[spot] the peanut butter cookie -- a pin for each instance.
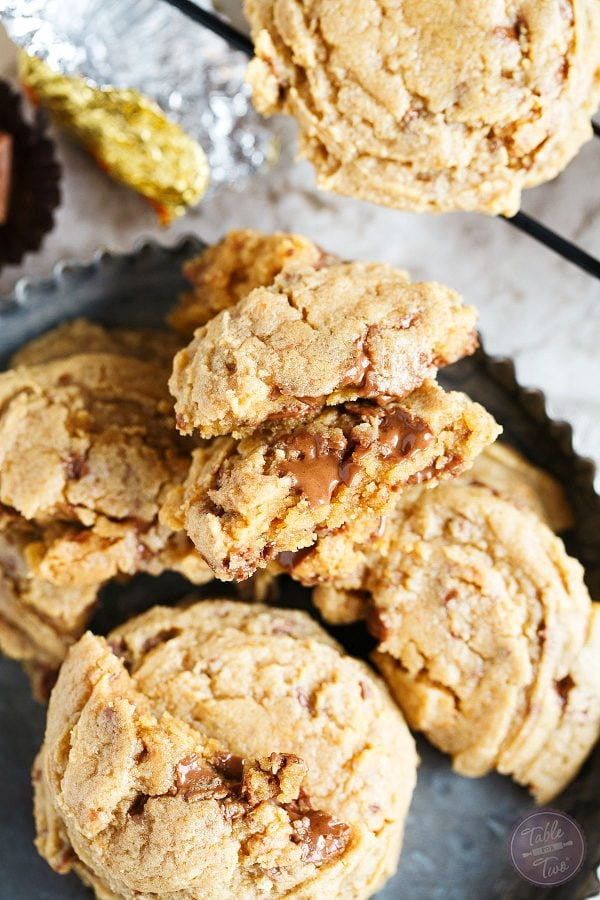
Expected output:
(88, 451)
(506, 472)
(487, 635)
(86, 436)
(242, 261)
(314, 338)
(222, 751)
(82, 336)
(245, 502)
(430, 105)
(39, 620)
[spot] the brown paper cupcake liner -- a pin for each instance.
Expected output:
(35, 180)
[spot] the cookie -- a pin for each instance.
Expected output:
(340, 557)
(427, 105)
(486, 634)
(87, 436)
(51, 576)
(245, 502)
(241, 262)
(88, 451)
(220, 751)
(506, 472)
(314, 338)
(39, 620)
(82, 336)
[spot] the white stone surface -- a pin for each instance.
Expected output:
(534, 307)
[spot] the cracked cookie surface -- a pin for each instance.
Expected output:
(39, 620)
(88, 450)
(241, 262)
(314, 338)
(487, 635)
(430, 106)
(82, 336)
(97, 431)
(245, 502)
(222, 751)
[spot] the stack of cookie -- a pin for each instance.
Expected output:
(228, 748)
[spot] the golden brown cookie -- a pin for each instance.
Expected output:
(222, 751)
(39, 620)
(86, 436)
(82, 336)
(314, 338)
(245, 502)
(242, 261)
(487, 635)
(88, 451)
(506, 472)
(430, 105)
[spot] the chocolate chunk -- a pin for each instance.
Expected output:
(229, 765)
(161, 637)
(197, 781)
(75, 466)
(136, 810)
(563, 687)
(6, 159)
(376, 625)
(316, 469)
(320, 836)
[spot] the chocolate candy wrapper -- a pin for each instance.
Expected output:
(127, 134)
(142, 85)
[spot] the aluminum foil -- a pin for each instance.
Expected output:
(194, 76)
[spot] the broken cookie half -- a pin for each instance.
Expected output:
(317, 337)
(245, 502)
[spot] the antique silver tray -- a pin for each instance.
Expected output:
(457, 830)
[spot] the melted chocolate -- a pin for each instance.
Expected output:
(197, 781)
(320, 836)
(289, 559)
(376, 625)
(317, 468)
(401, 434)
(229, 765)
(361, 373)
(136, 810)
(75, 467)
(161, 637)
(6, 165)
(563, 687)
(433, 471)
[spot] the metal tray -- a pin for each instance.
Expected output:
(457, 830)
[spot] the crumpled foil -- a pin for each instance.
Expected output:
(149, 46)
(128, 135)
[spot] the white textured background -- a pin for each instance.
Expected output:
(534, 307)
